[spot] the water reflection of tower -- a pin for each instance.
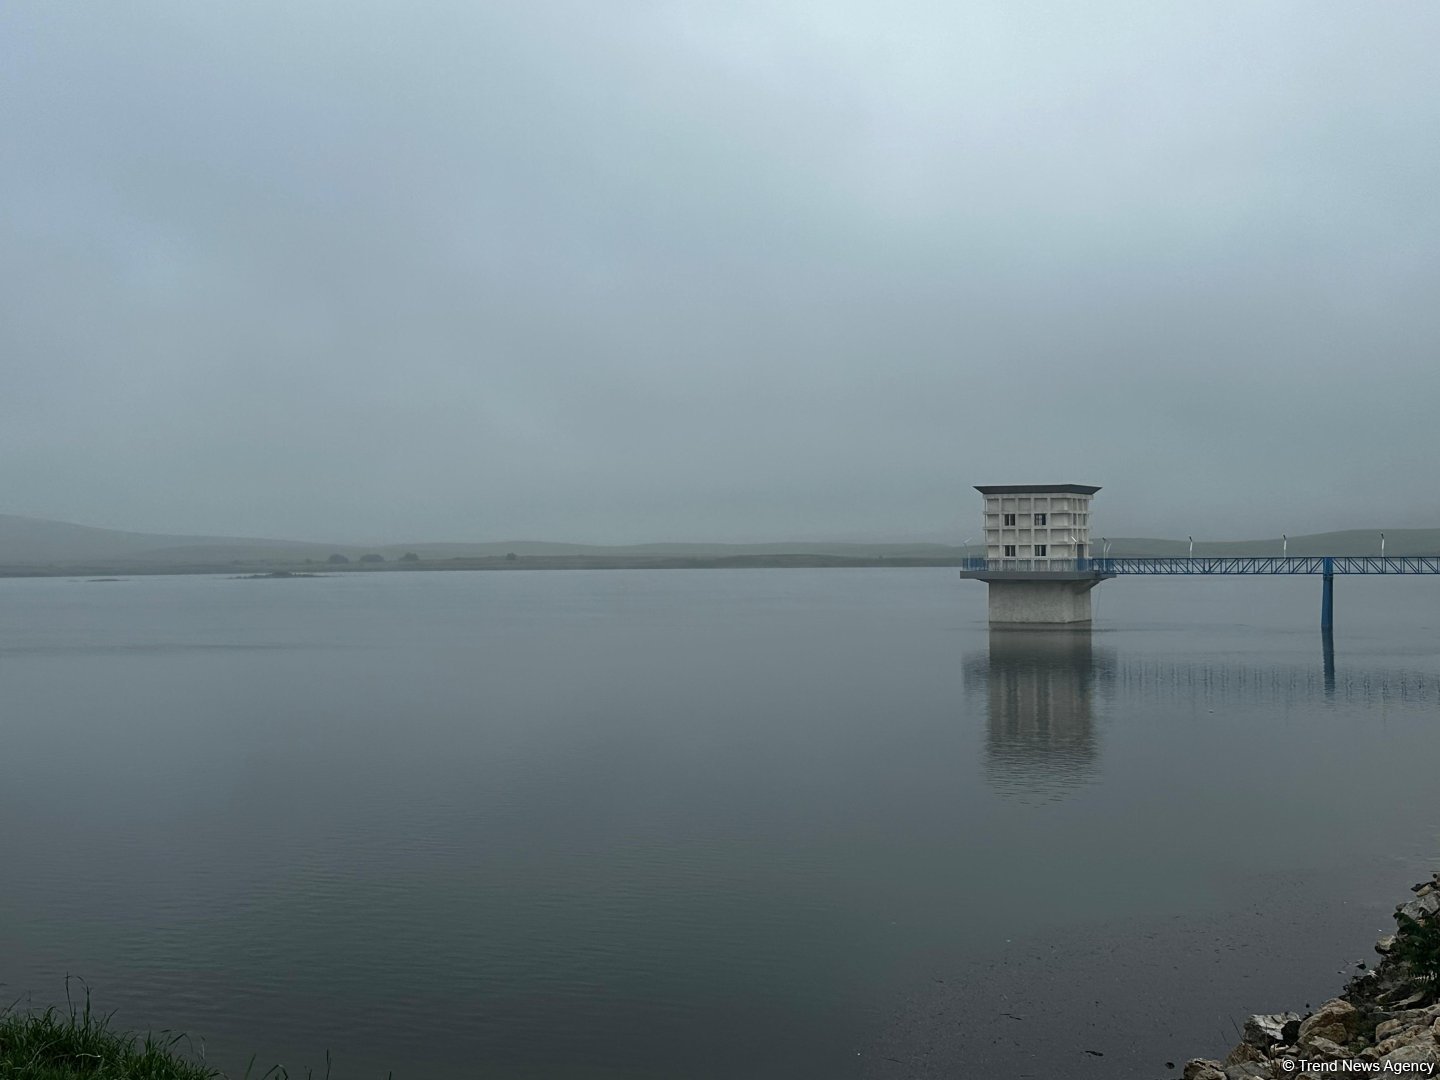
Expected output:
(1040, 726)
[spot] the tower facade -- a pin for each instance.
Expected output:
(1037, 556)
(1037, 526)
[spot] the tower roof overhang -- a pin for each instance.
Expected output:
(1035, 489)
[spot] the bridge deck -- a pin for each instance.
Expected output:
(1210, 566)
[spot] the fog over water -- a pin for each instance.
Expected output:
(653, 272)
(762, 823)
(376, 274)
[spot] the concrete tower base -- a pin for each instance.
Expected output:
(1041, 605)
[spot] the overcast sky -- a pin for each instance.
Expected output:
(627, 271)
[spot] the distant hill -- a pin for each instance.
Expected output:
(34, 542)
(29, 543)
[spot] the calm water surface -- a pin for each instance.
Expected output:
(770, 823)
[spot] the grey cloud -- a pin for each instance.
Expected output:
(642, 271)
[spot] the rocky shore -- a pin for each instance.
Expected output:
(1386, 1022)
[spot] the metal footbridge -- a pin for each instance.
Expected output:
(1326, 566)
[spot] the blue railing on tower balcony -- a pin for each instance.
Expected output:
(1053, 566)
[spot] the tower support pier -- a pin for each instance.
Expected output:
(1041, 605)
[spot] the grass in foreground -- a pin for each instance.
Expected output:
(79, 1044)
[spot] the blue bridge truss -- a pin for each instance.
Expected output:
(1326, 566)
(1294, 564)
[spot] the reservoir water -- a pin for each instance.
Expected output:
(695, 824)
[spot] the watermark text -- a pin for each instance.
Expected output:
(1298, 1067)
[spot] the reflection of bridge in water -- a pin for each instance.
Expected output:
(1220, 683)
(1042, 692)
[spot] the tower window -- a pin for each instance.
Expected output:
(1009, 551)
(1040, 551)
(1039, 519)
(1009, 519)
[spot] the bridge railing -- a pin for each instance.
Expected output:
(1213, 565)
(1032, 565)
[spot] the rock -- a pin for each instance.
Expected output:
(1290, 1033)
(1322, 1049)
(1389, 1027)
(1421, 908)
(1426, 1053)
(1242, 1053)
(1407, 1036)
(1385, 945)
(1391, 1044)
(1202, 1069)
(1410, 1001)
(1248, 1071)
(1264, 1030)
(1336, 1020)
(1363, 985)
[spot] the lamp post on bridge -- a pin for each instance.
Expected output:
(1192, 547)
(1284, 546)
(1382, 545)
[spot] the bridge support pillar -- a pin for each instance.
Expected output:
(1327, 655)
(1327, 596)
(1040, 605)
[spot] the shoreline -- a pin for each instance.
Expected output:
(260, 569)
(1386, 1020)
